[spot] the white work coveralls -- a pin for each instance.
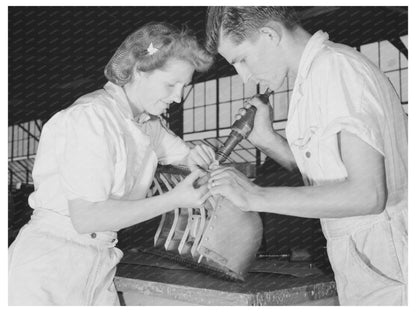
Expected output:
(93, 150)
(338, 89)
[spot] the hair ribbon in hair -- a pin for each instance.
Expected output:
(151, 49)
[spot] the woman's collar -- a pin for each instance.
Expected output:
(122, 103)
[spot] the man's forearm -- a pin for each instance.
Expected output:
(338, 200)
(276, 147)
(363, 192)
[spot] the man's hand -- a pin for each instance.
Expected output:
(233, 185)
(201, 156)
(263, 122)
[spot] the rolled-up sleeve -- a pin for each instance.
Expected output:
(85, 154)
(350, 102)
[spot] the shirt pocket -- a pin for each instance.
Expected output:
(319, 158)
(307, 154)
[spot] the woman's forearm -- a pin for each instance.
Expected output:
(113, 214)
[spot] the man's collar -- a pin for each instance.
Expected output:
(122, 103)
(142, 118)
(311, 49)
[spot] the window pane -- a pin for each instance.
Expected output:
(282, 132)
(291, 83)
(189, 97)
(188, 120)
(394, 79)
(404, 40)
(246, 144)
(225, 115)
(36, 146)
(404, 85)
(280, 106)
(371, 52)
(211, 116)
(27, 138)
(235, 106)
(10, 141)
(36, 131)
(211, 91)
(33, 141)
(224, 89)
(284, 86)
(389, 56)
(246, 155)
(14, 141)
(19, 142)
(199, 94)
(234, 157)
(199, 118)
(31, 146)
(403, 61)
(237, 87)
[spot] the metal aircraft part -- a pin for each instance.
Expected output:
(216, 237)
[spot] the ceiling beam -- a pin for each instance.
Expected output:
(399, 45)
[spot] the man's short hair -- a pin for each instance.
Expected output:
(239, 23)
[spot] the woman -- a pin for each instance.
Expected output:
(94, 166)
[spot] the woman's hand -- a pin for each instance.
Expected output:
(263, 121)
(201, 156)
(233, 185)
(185, 195)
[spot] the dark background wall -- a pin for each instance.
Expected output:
(57, 54)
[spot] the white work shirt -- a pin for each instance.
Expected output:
(336, 89)
(95, 150)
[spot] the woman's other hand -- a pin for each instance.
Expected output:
(185, 195)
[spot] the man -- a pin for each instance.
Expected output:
(347, 134)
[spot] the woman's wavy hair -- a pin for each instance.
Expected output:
(134, 52)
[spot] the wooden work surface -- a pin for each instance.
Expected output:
(190, 286)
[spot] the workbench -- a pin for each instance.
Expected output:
(149, 284)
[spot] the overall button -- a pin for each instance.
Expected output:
(308, 154)
(93, 235)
